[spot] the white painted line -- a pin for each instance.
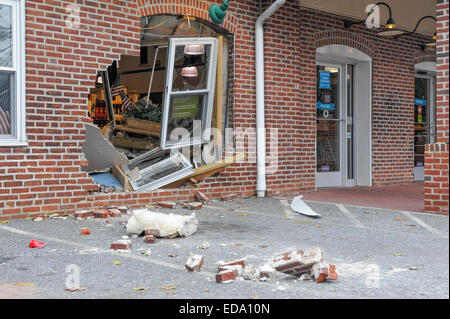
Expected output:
(378, 208)
(80, 245)
(350, 216)
(203, 273)
(425, 225)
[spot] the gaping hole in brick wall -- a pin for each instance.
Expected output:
(158, 119)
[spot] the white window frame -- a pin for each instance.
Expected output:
(18, 129)
(209, 92)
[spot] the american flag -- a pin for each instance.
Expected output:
(126, 102)
(5, 119)
(116, 87)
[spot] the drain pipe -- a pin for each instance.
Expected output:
(260, 120)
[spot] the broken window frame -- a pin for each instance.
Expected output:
(177, 157)
(207, 93)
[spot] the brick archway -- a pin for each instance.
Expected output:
(339, 37)
(196, 8)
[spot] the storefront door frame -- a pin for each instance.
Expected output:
(362, 118)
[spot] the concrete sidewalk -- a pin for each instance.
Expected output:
(407, 197)
(377, 253)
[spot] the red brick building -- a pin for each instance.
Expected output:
(317, 71)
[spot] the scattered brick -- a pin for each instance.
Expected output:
(224, 276)
(267, 272)
(101, 213)
(193, 205)
(237, 269)
(242, 262)
(153, 232)
(167, 204)
(332, 274)
(194, 263)
(320, 272)
(120, 245)
(228, 196)
(149, 239)
(84, 213)
(123, 209)
(85, 231)
(292, 264)
(114, 212)
(200, 196)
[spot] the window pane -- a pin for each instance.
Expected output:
(191, 67)
(5, 104)
(5, 36)
(183, 111)
(328, 137)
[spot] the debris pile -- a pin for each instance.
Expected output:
(296, 263)
(105, 212)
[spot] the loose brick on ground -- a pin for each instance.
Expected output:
(225, 276)
(167, 204)
(194, 263)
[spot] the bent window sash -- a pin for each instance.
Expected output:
(162, 173)
(189, 92)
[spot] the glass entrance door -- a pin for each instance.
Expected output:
(334, 120)
(424, 131)
(328, 140)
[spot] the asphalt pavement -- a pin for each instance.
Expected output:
(378, 254)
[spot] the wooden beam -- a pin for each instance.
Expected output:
(117, 171)
(138, 130)
(130, 142)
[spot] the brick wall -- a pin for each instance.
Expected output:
(436, 155)
(436, 178)
(292, 36)
(62, 63)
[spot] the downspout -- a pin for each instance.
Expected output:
(260, 117)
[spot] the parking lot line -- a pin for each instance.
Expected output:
(75, 244)
(350, 216)
(425, 225)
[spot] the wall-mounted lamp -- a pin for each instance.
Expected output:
(194, 49)
(430, 44)
(189, 72)
(217, 13)
(190, 66)
(390, 25)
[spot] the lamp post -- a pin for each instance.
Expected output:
(217, 13)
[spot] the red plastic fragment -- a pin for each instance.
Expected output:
(36, 244)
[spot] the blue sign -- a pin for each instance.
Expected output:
(325, 80)
(325, 168)
(420, 102)
(323, 106)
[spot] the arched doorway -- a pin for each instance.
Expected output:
(344, 135)
(424, 114)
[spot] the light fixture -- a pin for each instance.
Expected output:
(189, 72)
(331, 69)
(430, 44)
(217, 13)
(390, 25)
(99, 80)
(194, 49)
